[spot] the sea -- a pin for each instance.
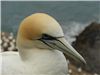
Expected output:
(73, 16)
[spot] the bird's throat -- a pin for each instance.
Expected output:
(45, 60)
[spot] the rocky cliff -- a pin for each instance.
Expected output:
(88, 45)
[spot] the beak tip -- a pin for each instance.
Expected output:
(82, 60)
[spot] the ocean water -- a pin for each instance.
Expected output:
(72, 16)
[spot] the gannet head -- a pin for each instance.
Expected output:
(44, 32)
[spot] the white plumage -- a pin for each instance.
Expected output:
(40, 42)
(36, 65)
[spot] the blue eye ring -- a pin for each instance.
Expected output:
(47, 37)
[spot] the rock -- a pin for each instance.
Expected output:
(88, 45)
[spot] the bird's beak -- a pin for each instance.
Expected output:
(62, 45)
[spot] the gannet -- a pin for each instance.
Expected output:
(41, 44)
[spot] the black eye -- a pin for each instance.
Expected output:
(47, 37)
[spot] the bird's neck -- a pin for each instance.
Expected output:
(45, 61)
(41, 54)
(42, 61)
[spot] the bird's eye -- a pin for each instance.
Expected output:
(47, 37)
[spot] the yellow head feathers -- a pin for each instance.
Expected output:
(34, 25)
(42, 31)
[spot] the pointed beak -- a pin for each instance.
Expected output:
(66, 48)
(62, 45)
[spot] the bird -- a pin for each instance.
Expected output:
(7, 42)
(41, 44)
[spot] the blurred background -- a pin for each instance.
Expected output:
(73, 16)
(80, 21)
